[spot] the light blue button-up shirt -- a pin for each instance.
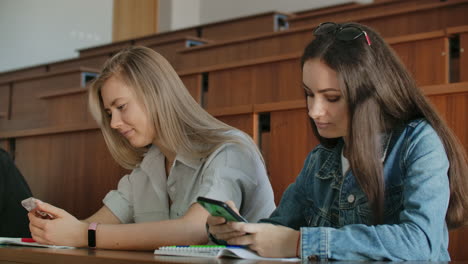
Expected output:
(231, 172)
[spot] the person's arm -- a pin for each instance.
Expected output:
(289, 214)
(276, 236)
(67, 230)
(103, 216)
(267, 240)
(421, 233)
(283, 224)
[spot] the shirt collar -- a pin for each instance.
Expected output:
(150, 157)
(154, 153)
(191, 162)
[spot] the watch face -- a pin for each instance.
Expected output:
(92, 235)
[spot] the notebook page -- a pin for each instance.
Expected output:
(248, 254)
(215, 252)
(17, 241)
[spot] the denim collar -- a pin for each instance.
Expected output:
(331, 166)
(331, 157)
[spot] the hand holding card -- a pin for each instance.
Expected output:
(30, 205)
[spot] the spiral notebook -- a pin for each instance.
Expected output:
(207, 251)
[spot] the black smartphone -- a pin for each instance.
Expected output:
(218, 208)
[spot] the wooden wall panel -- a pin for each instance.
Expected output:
(457, 244)
(463, 66)
(169, 49)
(280, 43)
(417, 22)
(454, 109)
(405, 17)
(244, 122)
(403, 25)
(232, 87)
(454, 15)
(95, 62)
(426, 59)
(326, 10)
(4, 100)
(255, 84)
(350, 11)
(134, 18)
(168, 35)
(73, 171)
(241, 27)
(34, 111)
(70, 109)
(26, 104)
(277, 81)
(105, 50)
(21, 73)
(193, 83)
(291, 139)
(116, 46)
(163, 47)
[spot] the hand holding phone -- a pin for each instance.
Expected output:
(221, 209)
(30, 205)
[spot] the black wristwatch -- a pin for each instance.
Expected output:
(92, 235)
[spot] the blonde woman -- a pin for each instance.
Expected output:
(177, 152)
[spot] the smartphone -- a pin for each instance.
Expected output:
(218, 208)
(30, 205)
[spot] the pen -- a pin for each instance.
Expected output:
(28, 240)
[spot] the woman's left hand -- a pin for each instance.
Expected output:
(64, 229)
(268, 240)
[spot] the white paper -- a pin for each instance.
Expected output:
(214, 252)
(17, 241)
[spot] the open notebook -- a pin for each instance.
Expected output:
(207, 251)
(25, 242)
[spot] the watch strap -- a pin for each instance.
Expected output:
(92, 234)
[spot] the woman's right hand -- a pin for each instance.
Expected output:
(64, 229)
(220, 228)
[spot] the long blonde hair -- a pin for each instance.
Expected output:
(181, 125)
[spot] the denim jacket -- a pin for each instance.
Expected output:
(334, 216)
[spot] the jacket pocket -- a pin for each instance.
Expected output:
(315, 217)
(393, 206)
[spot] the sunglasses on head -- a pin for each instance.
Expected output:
(341, 32)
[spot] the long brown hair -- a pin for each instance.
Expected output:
(381, 94)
